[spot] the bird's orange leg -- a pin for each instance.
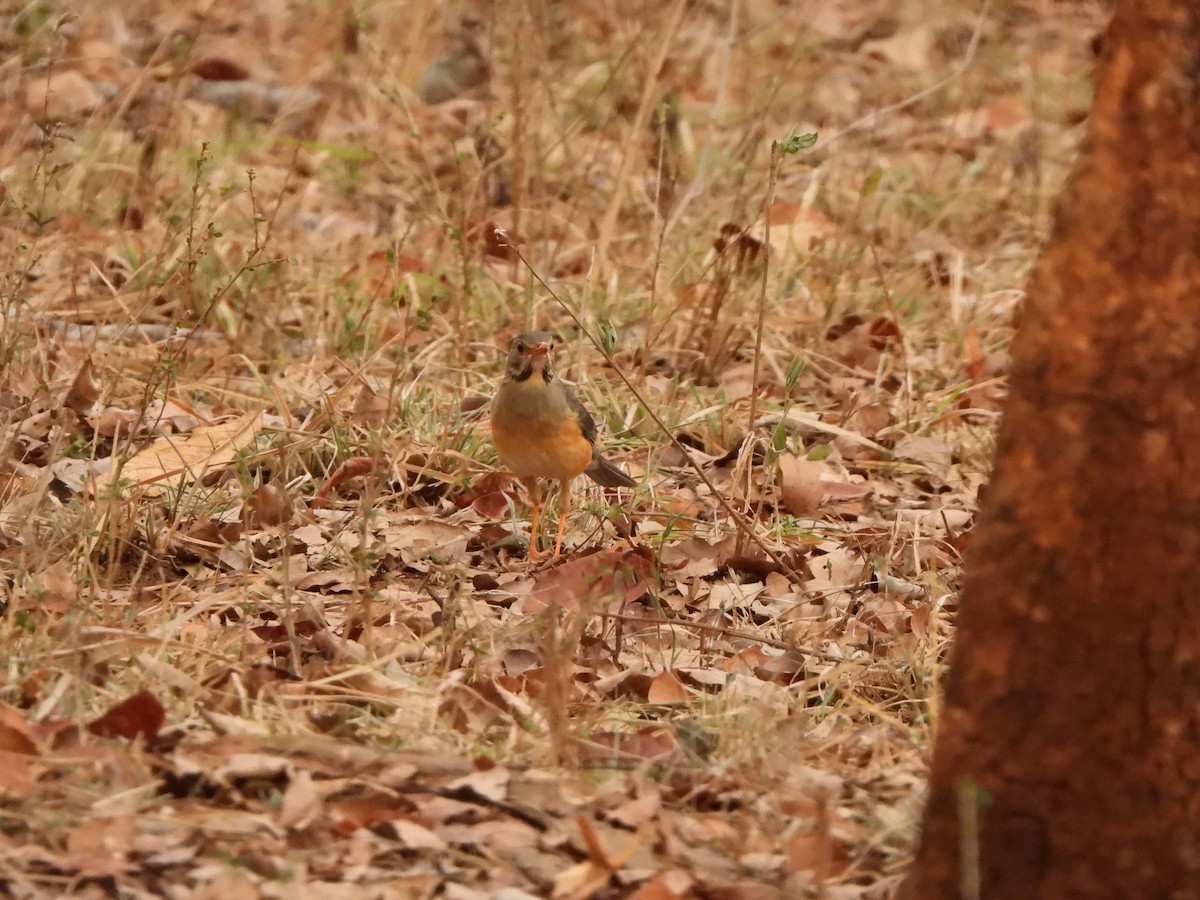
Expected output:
(535, 498)
(564, 507)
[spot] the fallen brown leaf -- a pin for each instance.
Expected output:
(610, 578)
(140, 715)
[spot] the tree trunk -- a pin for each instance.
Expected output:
(1067, 761)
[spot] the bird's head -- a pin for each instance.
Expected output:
(529, 353)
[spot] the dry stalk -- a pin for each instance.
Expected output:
(640, 120)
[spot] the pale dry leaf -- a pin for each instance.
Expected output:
(800, 486)
(796, 229)
(112, 421)
(636, 813)
(427, 539)
(841, 567)
(936, 520)
(171, 415)
(227, 886)
(64, 95)
(580, 881)
(240, 766)
(416, 837)
(175, 461)
(302, 802)
(671, 885)
(100, 847)
(491, 783)
(911, 49)
(730, 594)
(807, 423)
(871, 418)
(929, 451)
(310, 536)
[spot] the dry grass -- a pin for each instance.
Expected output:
(331, 606)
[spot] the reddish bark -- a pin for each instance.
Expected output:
(1067, 761)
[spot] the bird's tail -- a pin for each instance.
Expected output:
(606, 474)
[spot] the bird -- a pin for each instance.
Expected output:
(463, 67)
(541, 430)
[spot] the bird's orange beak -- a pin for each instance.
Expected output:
(540, 350)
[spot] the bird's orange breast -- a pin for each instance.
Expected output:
(538, 437)
(561, 453)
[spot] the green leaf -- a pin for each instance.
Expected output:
(779, 437)
(608, 337)
(795, 370)
(871, 183)
(794, 143)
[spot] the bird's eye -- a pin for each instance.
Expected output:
(520, 346)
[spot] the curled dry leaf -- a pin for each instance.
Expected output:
(268, 505)
(84, 390)
(351, 468)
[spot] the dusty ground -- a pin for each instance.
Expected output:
(268, 625)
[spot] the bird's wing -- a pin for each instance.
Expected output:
(586, 423)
